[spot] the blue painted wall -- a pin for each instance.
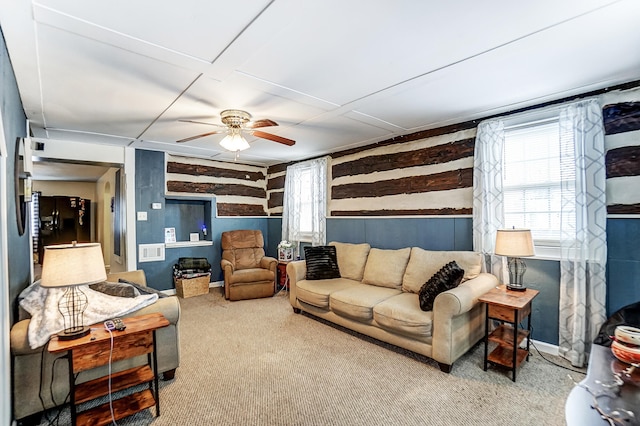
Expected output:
(14, 122)
(185, 216)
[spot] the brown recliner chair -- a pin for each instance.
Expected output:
(248, 273)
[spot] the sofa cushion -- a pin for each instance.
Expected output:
(351, 259)
(448, 277)
(357, 302)
(385, 268)
(423, 264)
(321, 262)
(317, 292)
(402, 314)
(251, 276)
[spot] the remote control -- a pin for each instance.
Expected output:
(119, 324)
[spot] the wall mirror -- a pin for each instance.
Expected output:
(22, 180)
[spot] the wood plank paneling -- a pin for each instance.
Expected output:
(432, 155)
(623, 209)
(234, 209)
(621, 117)
(417, 212)
(217, 172)
(276, 182)
(216, 189)
(453, 179)
(623, 161)
(275, 199)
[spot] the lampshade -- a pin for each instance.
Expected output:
(68, 265)
(514, 243)
(234, 142)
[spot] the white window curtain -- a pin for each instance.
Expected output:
(583, 217)
(583, 238)
(295, 190)
(488, 199)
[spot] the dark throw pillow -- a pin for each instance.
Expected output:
(143, 289)
(448, 277)
(322, 262)
(115, 289)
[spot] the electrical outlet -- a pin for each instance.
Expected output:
(142, 216)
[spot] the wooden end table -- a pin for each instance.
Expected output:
(509, 307)
(94, 350)
(283, 279)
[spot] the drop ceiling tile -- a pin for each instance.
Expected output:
(201, 29)
(113, 90)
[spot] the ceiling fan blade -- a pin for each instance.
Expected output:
(201, 122)
(260, 123)
(274, 138)
(200, 136)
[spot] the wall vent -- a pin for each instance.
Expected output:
(150, 252)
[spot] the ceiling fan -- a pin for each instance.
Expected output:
(235, 122)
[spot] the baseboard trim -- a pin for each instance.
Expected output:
(545, 347)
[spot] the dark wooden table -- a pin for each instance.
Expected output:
(579, 409)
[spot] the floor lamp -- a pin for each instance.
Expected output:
(72, 266)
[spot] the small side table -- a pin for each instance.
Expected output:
(94, 349)
(283, 279)
(509, 307)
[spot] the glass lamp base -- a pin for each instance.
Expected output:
(516, 287)
(73, 333)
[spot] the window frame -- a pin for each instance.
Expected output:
(545, 248)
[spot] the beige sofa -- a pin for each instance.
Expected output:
(37, 373)
(377, 295)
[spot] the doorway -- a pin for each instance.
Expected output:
(75, 201)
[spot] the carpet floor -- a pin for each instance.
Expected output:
(255, 362)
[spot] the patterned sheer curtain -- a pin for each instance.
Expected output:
(305, 202)
(488, 200)
(583, 229)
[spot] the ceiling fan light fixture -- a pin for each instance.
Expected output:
(234, 142)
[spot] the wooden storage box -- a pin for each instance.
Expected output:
(189, 287)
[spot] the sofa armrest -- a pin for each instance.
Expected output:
(19, 338)
(137, 277)
(464, 297)
(226, 265)
(458, 318)
(296, 271)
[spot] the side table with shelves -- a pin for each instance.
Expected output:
(94, 350)
(510, 308)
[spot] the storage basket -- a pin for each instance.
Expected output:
(189, 287)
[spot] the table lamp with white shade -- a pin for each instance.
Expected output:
(72, 266)
(515, 243)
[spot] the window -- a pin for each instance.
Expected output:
(305, 204)
(533, 177)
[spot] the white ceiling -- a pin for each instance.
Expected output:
(334, 74)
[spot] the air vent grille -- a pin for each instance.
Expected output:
(150, 252)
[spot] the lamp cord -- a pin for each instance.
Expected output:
(113, 418)
(548, 360)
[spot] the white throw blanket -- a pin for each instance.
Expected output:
(42, 304)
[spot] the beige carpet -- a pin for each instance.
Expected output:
(255, 362)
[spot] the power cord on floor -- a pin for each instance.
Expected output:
(548, 360)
